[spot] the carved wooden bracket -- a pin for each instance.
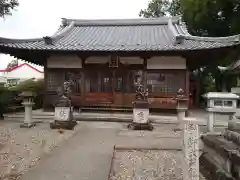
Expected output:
(114, 62)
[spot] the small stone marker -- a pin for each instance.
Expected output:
(62, 113)
(140, 116)
(191, 148)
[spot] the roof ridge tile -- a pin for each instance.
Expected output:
(121, 22)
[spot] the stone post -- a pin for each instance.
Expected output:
(191, 147)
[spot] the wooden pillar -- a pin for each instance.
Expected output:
(83, 82)
(113, 81)
(45, 84)
(198, 86)
(145, 71)
(187, 73)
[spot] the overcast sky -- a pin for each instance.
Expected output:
(38, 18)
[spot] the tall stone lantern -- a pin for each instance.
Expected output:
(220, 103)
(28, 103)
(140, 105)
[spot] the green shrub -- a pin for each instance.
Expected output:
(8, 99)
(36, 87)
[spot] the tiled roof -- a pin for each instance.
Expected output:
(154, 34)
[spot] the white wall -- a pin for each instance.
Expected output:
(131, 60)
(23, 72)
(166, 62)
(97, 60)
(68, 61)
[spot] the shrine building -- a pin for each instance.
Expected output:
(103, 56)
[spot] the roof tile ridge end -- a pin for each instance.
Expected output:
(234, 38)
(183, 27)
(178, 38)
(12, 40)
(60, 34)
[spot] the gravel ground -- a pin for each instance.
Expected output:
(147, 165)
(21, 148)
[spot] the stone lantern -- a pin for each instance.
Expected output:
(182, 104)
(140, 106)
(28, 103)
(220, 103)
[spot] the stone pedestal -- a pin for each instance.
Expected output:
(182, 107)
(234, 125)
(63, 119)
(27, 115)
(141, 116)
(181, 113)
(210, 123)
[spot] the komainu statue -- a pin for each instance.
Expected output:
(142, 92)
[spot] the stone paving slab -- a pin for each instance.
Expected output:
(147, 164)
(87, 156)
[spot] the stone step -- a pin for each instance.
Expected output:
(212, 170)
(232, 136)
(224, 154)
(225, 148)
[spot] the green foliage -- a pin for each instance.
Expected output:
(37, 87)
(156, 8)
(8, 99)
(6, 6)
(209, 83)
(203, 17)
(211, 17)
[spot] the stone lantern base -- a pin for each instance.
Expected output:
(69, 125)
(63, 119)
(27, 125)
(137, 126)
(140, 116)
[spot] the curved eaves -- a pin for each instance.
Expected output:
(8, 40)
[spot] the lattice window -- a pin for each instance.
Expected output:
(121, 81)
(91, 82)
(76, 77)
(106, 82)
(166, 83)
(52, 81)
